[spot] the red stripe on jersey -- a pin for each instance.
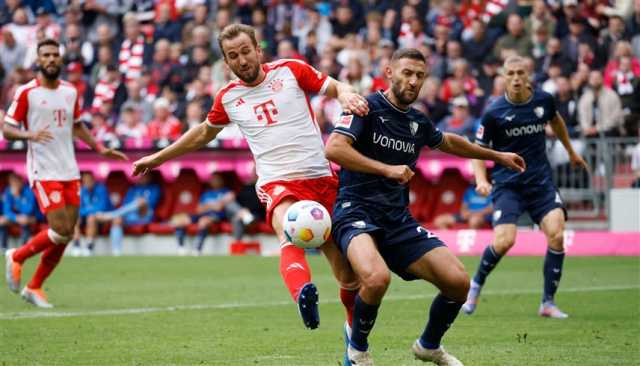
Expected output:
(217, 116)
(309, 79)
(20, 106)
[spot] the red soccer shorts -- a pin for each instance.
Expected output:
(52, 194)
(322, 190)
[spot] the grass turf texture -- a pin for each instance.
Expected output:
(118, 311)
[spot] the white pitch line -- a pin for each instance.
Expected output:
(168, 309)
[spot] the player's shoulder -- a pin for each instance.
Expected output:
(286, 62)
(25, 88)
(226, 91)
(541, 95)
(497, 104)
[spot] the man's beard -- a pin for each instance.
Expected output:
(51, 75)
(251, 77)
(397, 92)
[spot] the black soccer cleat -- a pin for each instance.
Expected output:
(308, 306)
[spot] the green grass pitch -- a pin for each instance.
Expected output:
(236, 311)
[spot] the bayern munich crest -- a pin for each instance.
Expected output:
(276, 85)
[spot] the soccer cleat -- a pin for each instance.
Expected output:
(550, 310)
(438, 356)
(13, 271)
(36, 297)
(359, 358)
(308, 305)
(472, 298)
(347, 338)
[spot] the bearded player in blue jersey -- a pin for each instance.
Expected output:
(516, 123)
(372, 223)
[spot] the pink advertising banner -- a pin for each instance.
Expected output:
(531, 242)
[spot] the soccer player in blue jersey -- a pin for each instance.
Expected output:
(516, 123)
(372, 223)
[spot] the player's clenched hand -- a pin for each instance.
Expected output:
(144, 165)
(577, 161)
(354, 103)
(41, 136)
(483, 188)
(400, 173)
(512, 161)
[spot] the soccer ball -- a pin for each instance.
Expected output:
(307, 224)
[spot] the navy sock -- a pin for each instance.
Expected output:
(488, 262)
(441, 315)
(181, 233)
(552, 272)
(202, 234)
(4, 237)
(76, 243)
(364, 317)
(90, 246)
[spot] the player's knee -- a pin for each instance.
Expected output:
(91, 220)
(502, 244)
(556, 240)
(59, 234)
(377, 283)
(475, 222)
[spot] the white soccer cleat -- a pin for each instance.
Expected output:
(13, 271)
(36, 297)
(472, 298)
(550, 310)
(358, 358)
(438, 356)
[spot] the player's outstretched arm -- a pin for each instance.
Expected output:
(193, 140)
(339, 149)
(350, 101)
(458, 145)
(560, 130)
(81, 132)
(483, 186)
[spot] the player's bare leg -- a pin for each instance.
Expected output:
(553, 227)
(504, 239)
(440, 267)
(345, 276)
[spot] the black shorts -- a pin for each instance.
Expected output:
(512, 200)
(401, 240)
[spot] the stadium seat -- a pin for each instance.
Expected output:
(117, 185)
(448, 193)
(244, 247)
(422, 193)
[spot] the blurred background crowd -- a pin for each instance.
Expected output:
(150, 68)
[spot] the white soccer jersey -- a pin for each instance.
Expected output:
(277, 120)
(36, 107)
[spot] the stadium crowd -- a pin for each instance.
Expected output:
(148, 69)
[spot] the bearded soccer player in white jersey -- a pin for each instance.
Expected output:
(270, 104)
(47, 108)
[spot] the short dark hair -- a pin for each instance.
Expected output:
(47, 42)
(410, 53)
(234, 30)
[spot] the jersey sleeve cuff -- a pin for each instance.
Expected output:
(482, 143)
(216, 125)
(325, 85)
(436, 146)
(346, 133)
(11, 121)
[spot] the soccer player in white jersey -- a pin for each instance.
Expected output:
(45, 112)
(270, 104)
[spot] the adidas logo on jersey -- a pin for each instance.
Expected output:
(525, 130)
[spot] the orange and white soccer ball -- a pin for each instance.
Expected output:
(307, 224)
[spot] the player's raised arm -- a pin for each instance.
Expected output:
(81, 132)
(350, 101)
(194, 139)
(339, 149)
(560, 130)
(459, 146)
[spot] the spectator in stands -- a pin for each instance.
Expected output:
(130, 125)
(105, 37)
(476, 211)
(165, 28)
(12, 53)
(101, 129)
(94, 200)
(4, 230)
(200, 18)
(354, 75)
(444, 14)
(567, 106)
(138, 207)
(554, 55)
(343, 25)
(162, 65)
(136, 99)
(45, 23)
(516, 39)
(460, 121)
(599, 109)
(614, 33)
(248, 198)
(436, 108)
(627, 86)
(635, 164)
(164, 126)
(195, 114)
(75, 76)
(109, 89)
(76, 49)
(577, 35)
(19, 206)
(478, 46)
(216, 204)
(196, 91)
(486, 75)
(463, 77)
(134, 51)
(540, 17)
(623, 49)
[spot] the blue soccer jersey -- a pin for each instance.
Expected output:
(519, 128)
(389, 135)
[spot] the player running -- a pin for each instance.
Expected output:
(516, 123)
(270, 105)
(47, 108)
(372, 223)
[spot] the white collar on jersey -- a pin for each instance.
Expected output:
(506, 96)
(391, 104)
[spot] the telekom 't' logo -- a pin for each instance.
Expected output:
(266, 110)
